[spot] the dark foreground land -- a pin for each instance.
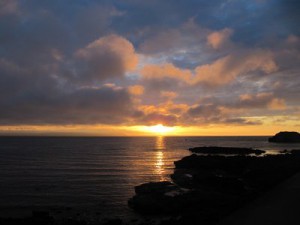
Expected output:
(208, 188)
(277, 207)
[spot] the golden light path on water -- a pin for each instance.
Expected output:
(159, 163)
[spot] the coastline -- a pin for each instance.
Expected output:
(207, 188)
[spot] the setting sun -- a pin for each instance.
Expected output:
(159, 129)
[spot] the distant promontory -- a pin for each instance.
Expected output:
(286, 137)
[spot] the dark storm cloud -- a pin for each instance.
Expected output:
(46, 75)
(106, 105)
(107, 57)
(215, 114)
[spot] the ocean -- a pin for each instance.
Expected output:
(94, 176)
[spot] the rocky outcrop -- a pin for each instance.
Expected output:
(226, 150)
(157, 197)
(286, 137)
(179, 200)
(206, 188)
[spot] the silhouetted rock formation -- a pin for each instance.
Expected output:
(157, 197)
(226, 150)
(206, 188)
(37, 218)
(286, 137)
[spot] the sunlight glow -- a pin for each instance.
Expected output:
(159, 157)
(112, 130)
(159, 129)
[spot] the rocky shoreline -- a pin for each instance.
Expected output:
(207, 188)
(226, 150)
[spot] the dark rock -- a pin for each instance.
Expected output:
(153, 204)
(215, 185)
(192, 219)
(116, 221)
(286, 137)
(156, 197)
(224, 184)
(214, 164)
(295, 152)
(182, 200)
(72, 221)
(183, 178)
(285, 151)
(155, 188)
(225, 150)
(40, 214)
(77, 222)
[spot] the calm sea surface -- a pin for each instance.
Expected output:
(95, 175)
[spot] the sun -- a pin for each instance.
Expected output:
(160, 129)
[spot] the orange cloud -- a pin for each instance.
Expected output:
(165, 70)
(226, 69)
(264, 99)
(167, 113)
(264, 96)
(177, 109)
(147, 109)
(220, 72)
(218, 39)
(168, 94)
(277, 104)
(136, 90)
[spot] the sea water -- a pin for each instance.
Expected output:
(94, 175)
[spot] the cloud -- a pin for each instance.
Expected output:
(35, 93)
(226, 69)
(260, 100)
(277, 104)
(8, 7)
(136, 89)
(105, 62)
(244, 110)
(220, 72)
(105, 105)
(218, 39)
(208, 114)
(158, 72)
(292, 39)
(108, 57)
(157, 118)
(152, 115)
(174, 40)
(169, 95)
(166, 112)
(165, 40)
(206, 111)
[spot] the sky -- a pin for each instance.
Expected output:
(108, 67)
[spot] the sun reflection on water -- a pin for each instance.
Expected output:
(159, 156)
